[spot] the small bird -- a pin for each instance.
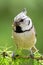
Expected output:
(23, 32)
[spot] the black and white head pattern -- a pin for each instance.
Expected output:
(23, 22)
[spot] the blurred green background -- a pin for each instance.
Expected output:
(9, 9)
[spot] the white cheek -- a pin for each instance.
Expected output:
(26, 26)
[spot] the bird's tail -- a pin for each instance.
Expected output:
(34, 49)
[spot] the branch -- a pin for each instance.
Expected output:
(27, 57)
(4, 54)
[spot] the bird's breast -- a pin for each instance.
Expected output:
(25, 40)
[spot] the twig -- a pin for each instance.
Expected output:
(27, 57)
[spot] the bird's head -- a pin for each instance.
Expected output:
(22, 22)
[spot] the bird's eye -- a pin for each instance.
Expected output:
(29, 22)
(21, 20)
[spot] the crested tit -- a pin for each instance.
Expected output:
(23, 32)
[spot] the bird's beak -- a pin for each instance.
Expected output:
(16, 23)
